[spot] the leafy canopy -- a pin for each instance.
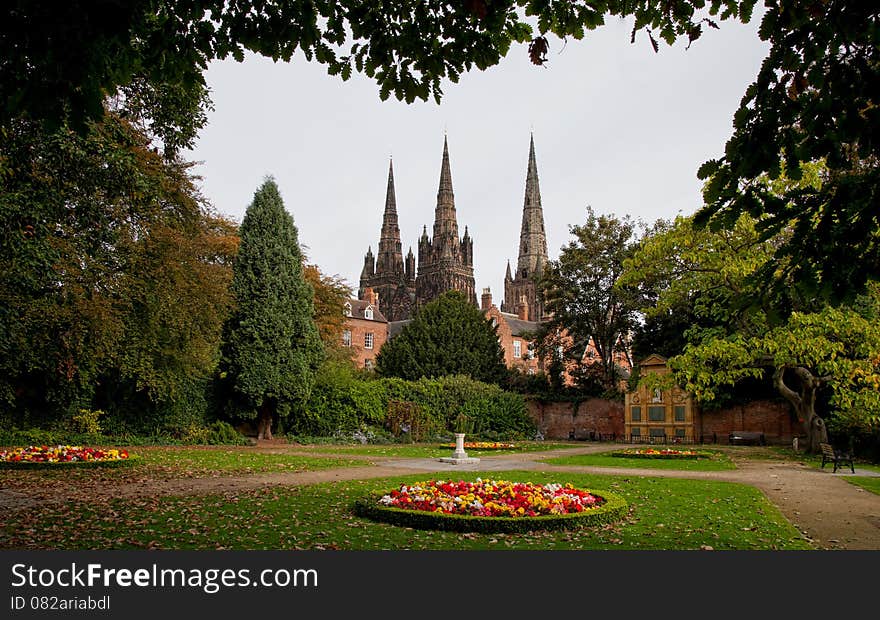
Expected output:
(65, 58)
(114, 276)
(448, 336)
(807, 347)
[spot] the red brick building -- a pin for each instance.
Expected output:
(366, 329)
(514, 331)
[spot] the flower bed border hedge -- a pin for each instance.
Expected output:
(692, 457)
(131, 460)
(614, 509)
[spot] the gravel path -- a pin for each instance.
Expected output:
(827, 509)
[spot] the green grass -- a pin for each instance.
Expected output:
(666, 514)
(433, 450)
(869, 483)
(718, 463)
(182, 463)
(238, 460)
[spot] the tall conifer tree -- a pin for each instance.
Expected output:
(272, 348)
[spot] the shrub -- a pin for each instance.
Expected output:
(343, 402)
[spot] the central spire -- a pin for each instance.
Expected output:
(445, 224)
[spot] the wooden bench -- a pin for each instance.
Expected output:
(746, 437)
(838, 457)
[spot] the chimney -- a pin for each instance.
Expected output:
(522, 310)
(371, 297)
(486, 299)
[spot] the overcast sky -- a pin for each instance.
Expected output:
(616, 126)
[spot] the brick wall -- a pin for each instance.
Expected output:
(599, 416)
(596, 415)
(773, 418)
(506, 338)
(359, 328)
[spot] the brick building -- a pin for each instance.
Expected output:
(366, 329)
(515, 334)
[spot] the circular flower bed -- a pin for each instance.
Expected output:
(62, 456)
(662, 453)
(491, 506)
(483, 445)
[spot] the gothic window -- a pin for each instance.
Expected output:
(368, 313)
(347, 309)
(346, 338)
(517, 348)
(658, 396)
(368, 341)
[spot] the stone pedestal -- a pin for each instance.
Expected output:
(459, 456)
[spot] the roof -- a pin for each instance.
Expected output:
(395, 327)
(518, 327)
(653, 360)
(358, 306)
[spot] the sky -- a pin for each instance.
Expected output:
(616, 127)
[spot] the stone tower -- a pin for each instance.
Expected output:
(389, 276)
(532, 249)
(446, 262)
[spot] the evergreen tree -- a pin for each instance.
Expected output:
(449, 336)
(272, 348)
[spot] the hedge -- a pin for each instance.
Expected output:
(343, 401)
(614, 509)
(131, 460)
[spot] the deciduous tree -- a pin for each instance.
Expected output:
(114, 276)
(806, 346)
(580, 292)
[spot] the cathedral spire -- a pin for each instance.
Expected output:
(445, 223)
(532, 238)
(390, 256)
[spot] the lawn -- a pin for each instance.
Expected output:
(869, 483)
(666, 514)
(175, 462)
(718, 463)
(421, 450)
(236, 460)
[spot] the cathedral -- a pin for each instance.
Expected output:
(446, 261)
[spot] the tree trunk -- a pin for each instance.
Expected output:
(264, 422)
(804, 403)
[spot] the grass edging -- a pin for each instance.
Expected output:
(127, 462)
(614, 509)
